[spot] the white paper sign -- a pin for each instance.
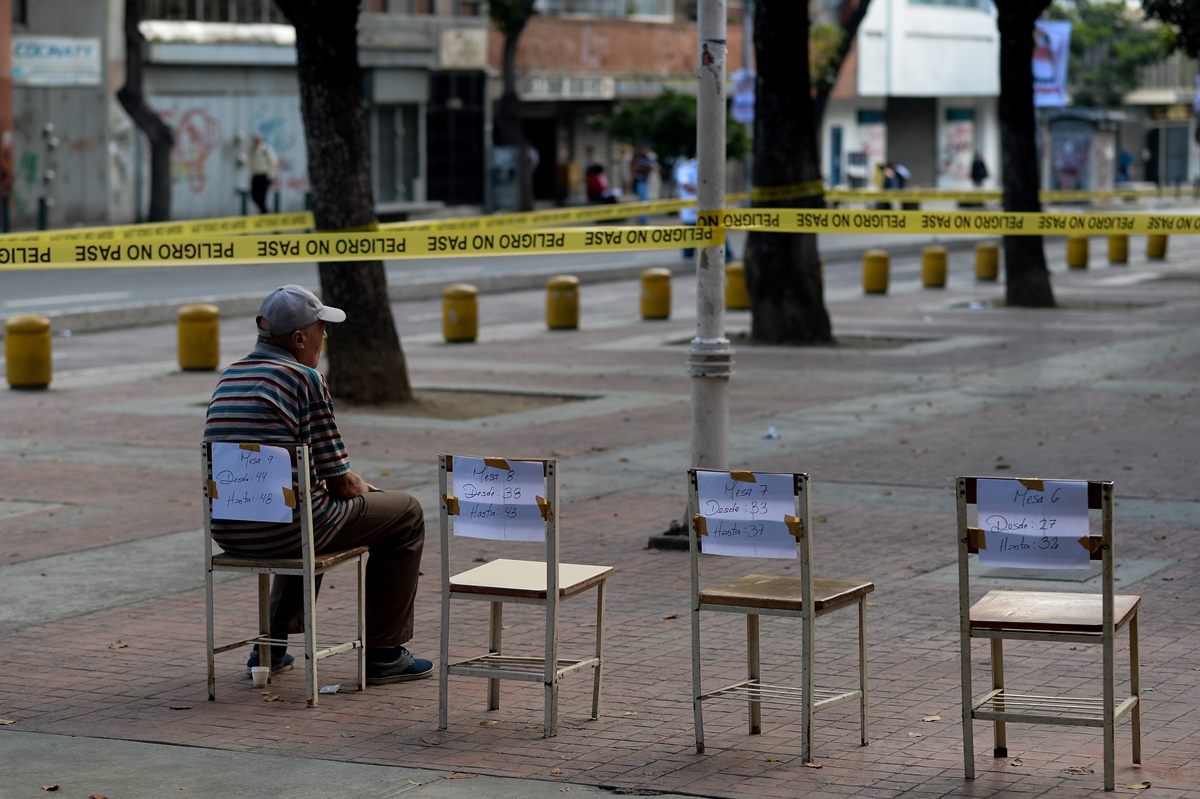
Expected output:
(250, 484)
(1033, 529)
(499, 503)
(746, 518)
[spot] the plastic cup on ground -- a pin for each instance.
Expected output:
(260, 674)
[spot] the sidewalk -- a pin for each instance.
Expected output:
(101, 582)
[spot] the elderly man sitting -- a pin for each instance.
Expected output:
(276, 393)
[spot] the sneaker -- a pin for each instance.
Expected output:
(395, 664)
(282, 663)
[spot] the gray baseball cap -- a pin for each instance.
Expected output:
(292, 307)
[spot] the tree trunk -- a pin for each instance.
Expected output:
(366, 363)
(1026, 277)
(158, 133)
(783, 270)
(508, 118)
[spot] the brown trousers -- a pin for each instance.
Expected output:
(392, 525)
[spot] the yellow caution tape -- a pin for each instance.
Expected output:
(766, 194)
(556, 216)
(362, 246)
(822, 220)
(233, 225)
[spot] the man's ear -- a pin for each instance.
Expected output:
(297, 338)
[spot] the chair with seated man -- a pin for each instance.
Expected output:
(255, 482)
(1026, 524)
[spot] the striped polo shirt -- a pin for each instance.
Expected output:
(269, 395)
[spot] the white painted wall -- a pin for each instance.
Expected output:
(910, 49)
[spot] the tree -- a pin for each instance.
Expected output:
(1184, 18)
(1109, 47)
(366, 363)
(158, 133)
(829, 47)
(783, 270)
(1025, 273)
(510, 17)
(667, 124)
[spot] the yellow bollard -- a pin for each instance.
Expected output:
(460, 312)
(736, 298)
(987, 261)
(199, 338)
(933, 267)
(1156, 246)
(562, 303)
(656, 294)
(1077, 252)
(875, 271)
(27, 351)
(1118, 248)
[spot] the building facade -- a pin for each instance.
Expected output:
(218, 72)
(920, 89)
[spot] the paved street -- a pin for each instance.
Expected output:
(101, 581)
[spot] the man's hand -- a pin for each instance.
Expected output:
(348, 486)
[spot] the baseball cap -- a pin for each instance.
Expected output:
(292, 307)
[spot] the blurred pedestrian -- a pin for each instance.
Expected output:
(263, 168)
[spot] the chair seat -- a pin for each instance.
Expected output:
(1049, 611)
(526, 578)
(323, 561)
(783, 593)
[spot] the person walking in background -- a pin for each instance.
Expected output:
(687, 181)
(641, 169)
(979, 171)
(263, 168)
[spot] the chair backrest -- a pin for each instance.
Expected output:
(1024, 523)
(501, 499)
(750, 514)
(254, 481)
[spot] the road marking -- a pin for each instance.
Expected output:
(103, 296)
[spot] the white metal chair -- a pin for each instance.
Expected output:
(767, 516)
(241, 490)
(1028, 523)
(517, 500)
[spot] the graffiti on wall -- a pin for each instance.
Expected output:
(197, 135)
(209, 161)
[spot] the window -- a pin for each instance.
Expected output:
(213, 10)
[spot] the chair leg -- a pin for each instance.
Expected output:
(310, 643)
(264, 619)
(494, 646)
(968, 717)
(596, 678)
(1110, 715)
(1135, 688)
(697, 710)
(444, 663)
(1001, 740)
(212, 643)
(862, 667)
(754, 672)
(551, 726)
(362, 623)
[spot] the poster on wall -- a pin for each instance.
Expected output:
(1051, 45)
(958, 149)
